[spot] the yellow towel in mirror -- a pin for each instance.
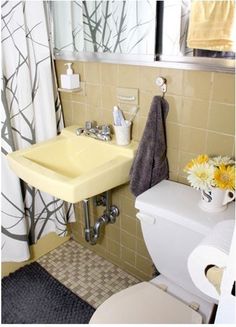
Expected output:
(212, 25)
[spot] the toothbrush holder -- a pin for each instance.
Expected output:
(123, 133)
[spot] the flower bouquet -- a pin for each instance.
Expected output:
(215, 178)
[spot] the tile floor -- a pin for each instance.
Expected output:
(88, 275)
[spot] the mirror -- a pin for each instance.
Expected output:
(175, 26)
(136, 31)
(126, 27)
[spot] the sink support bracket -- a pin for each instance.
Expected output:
(92, 234)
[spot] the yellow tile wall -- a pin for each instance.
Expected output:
(200, 120)
(46, 244)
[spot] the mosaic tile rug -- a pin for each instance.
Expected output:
(31, 295)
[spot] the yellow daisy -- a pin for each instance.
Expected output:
(202, 158)
(224, 177)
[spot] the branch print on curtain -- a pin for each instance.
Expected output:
(126, 27)
(29, 115)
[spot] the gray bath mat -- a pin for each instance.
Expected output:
(32, 296)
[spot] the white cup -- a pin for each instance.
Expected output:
(216, 200)
(123, 133)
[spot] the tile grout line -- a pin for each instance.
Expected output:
(85, 273)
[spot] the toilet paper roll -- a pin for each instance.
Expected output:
(212, 250)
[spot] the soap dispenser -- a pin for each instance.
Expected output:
(70, 80)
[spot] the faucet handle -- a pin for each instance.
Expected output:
(106, 130)
(90, 124)
(79, 131)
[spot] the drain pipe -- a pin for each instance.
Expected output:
(92, 234)
(87, 229)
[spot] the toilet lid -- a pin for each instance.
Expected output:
(142, 304)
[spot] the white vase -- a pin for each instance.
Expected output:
(215, 200)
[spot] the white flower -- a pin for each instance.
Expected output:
(201, 176)
(217, 161)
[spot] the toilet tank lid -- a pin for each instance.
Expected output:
(179, 203)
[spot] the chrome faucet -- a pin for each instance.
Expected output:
(91, 129)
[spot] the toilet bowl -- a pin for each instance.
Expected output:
(172, 225)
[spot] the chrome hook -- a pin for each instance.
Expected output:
(162, 83)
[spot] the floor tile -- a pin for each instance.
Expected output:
(88, 275)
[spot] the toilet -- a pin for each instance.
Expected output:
(173, 224)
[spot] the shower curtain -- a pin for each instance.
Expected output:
(104, 26)
(30, 113)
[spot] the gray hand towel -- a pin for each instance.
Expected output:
(150, 165)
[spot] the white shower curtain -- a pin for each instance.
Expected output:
(104, 26)
(30, 113)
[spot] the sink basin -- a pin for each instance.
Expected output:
(72, 167)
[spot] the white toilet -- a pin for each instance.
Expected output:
(173, 225)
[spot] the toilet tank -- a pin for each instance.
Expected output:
(173, 225)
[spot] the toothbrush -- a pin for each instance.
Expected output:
(133, 112)
(118, 117)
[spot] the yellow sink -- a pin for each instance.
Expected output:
(72, 167)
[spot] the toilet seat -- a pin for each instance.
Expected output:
(142, 304)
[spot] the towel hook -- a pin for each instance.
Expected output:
(162, 83)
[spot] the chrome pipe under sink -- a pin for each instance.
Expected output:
(92, 234)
